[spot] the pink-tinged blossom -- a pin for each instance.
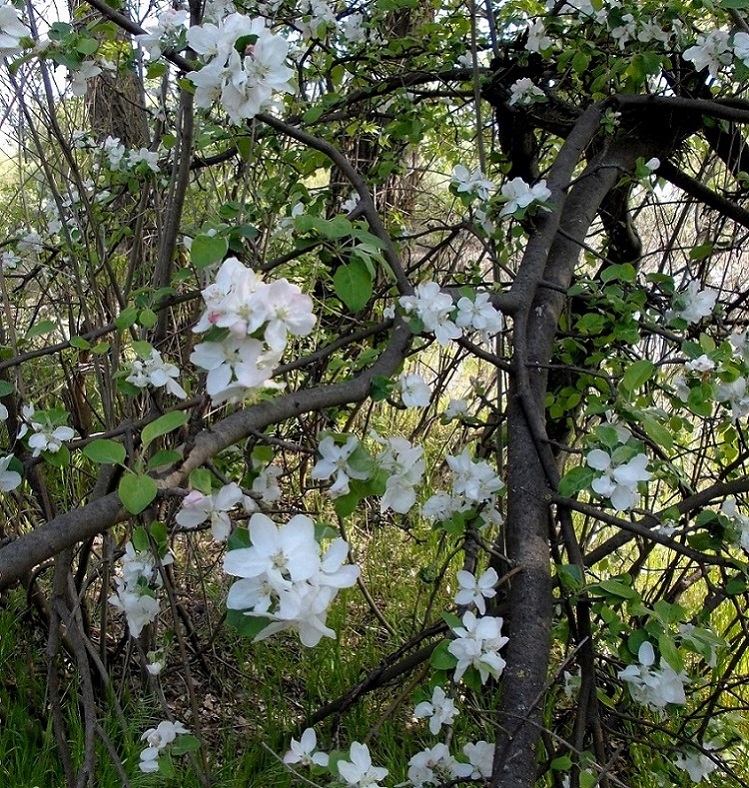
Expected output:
(359, 771)
(197, 508)
(440, 710)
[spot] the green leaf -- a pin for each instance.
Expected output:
(441, 658)
(183, 744)
(59, 458)
(160, 535)
(207, 250)
(105, 452)
(247, 626)
(638, 374)
(156, 70)
(147, 318)
(136, 491)
(624, 272)
(6, 388)
(656, 431)
(87, 46)
(239, 539)
(262, 454)
(140, 540)
(163, 425)
(345, 505)
(701, 251)
(575, 480)
(126, 318)
(353, 285)
(615, 588)
(162, 458)
(42, 327)
(670, 653)
(200, 479)
(739, 4)
(79, 343)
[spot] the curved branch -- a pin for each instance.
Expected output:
(29, 550)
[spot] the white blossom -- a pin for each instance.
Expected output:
(12, 30)
(158, 373)
(471, 182)
(699, 765)
(519, 195)
(414, 390)
(9, 480)
(537, 41)
(619, 481)
(654, 687)
(693, 304)
(474, 590)
(286, 578)
(304, 752)
(440, 710)
(334, 461)
(359, 771)
(434, 308)
(524, 92)
(477, 644)
(711, 51)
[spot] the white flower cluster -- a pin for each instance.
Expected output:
(12, 30)
(287, 579)
(474, 484)
(403, 462)
(440, 316)
(134, 588)
(524, 92)
(197, 508)
(415, 393)
(46, 435)
(654, 687)
(519, 196)
(714, 50)
(241, 302)
(619, 480)
(471, 182)
(165, 34)
(157, 739)
(477, 644)
(405, 467)
(119, 158)
(244, 82)
(156, 372)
